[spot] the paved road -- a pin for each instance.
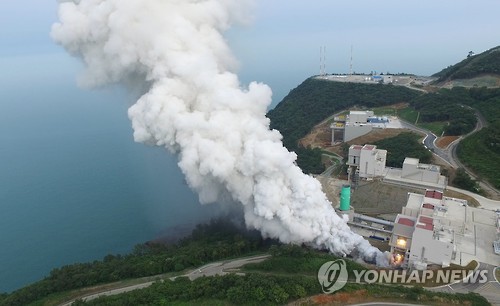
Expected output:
(449, 154)
(490, 289)
(223, 268)
(216, 268)
(429, 141)
(452, 152)
(328, 171)
(484, 202)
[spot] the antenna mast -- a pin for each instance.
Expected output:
(322, 60)
(350, 65)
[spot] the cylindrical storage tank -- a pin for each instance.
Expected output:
(345, 198)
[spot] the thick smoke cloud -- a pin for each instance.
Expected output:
(196, 108)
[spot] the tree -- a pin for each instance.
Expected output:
(464, 181)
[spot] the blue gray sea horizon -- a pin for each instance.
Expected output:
(74, 186)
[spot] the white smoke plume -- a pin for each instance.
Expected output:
(197, 109)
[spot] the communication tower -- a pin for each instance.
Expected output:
(322, 60)
(350, 65)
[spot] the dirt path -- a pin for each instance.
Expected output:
(320, 137)
(444, 142)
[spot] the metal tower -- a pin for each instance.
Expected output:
(350, 65)
(322, 60)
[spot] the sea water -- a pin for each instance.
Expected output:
(74, 186)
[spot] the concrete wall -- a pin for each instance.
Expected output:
(354, 155)
(358, 117)
(372, 162)
(410, 212)
(355, 131)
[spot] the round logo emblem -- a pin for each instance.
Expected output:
(332, 275)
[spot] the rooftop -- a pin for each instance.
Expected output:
(406, 221)
(434, 194)
(425, 223)
(394, 176)
(411, 161)
(358, 112)
(471, 230)
(428, 206)
(429, 167)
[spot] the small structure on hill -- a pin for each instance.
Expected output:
(356, 124)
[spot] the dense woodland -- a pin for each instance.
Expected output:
(209, 242)
(401, 146)
(481, 151)
(315, 100)
(446, 106)
(464, 181)
(290, 274)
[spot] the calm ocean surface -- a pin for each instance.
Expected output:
(74, 186)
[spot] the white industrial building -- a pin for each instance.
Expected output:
(416, 174)
(356, 124)
(414, 170)
(437, 230)
(367, 160)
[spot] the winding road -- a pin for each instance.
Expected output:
(215, 268)
(449, 154)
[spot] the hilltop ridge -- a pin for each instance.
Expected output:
(477, 70)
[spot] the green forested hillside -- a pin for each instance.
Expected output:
(315, 100)
(290, 274)
(487, 62)
(209, 242)
(449, 108)
(481, 151)
(401, 146)
(454, 109)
